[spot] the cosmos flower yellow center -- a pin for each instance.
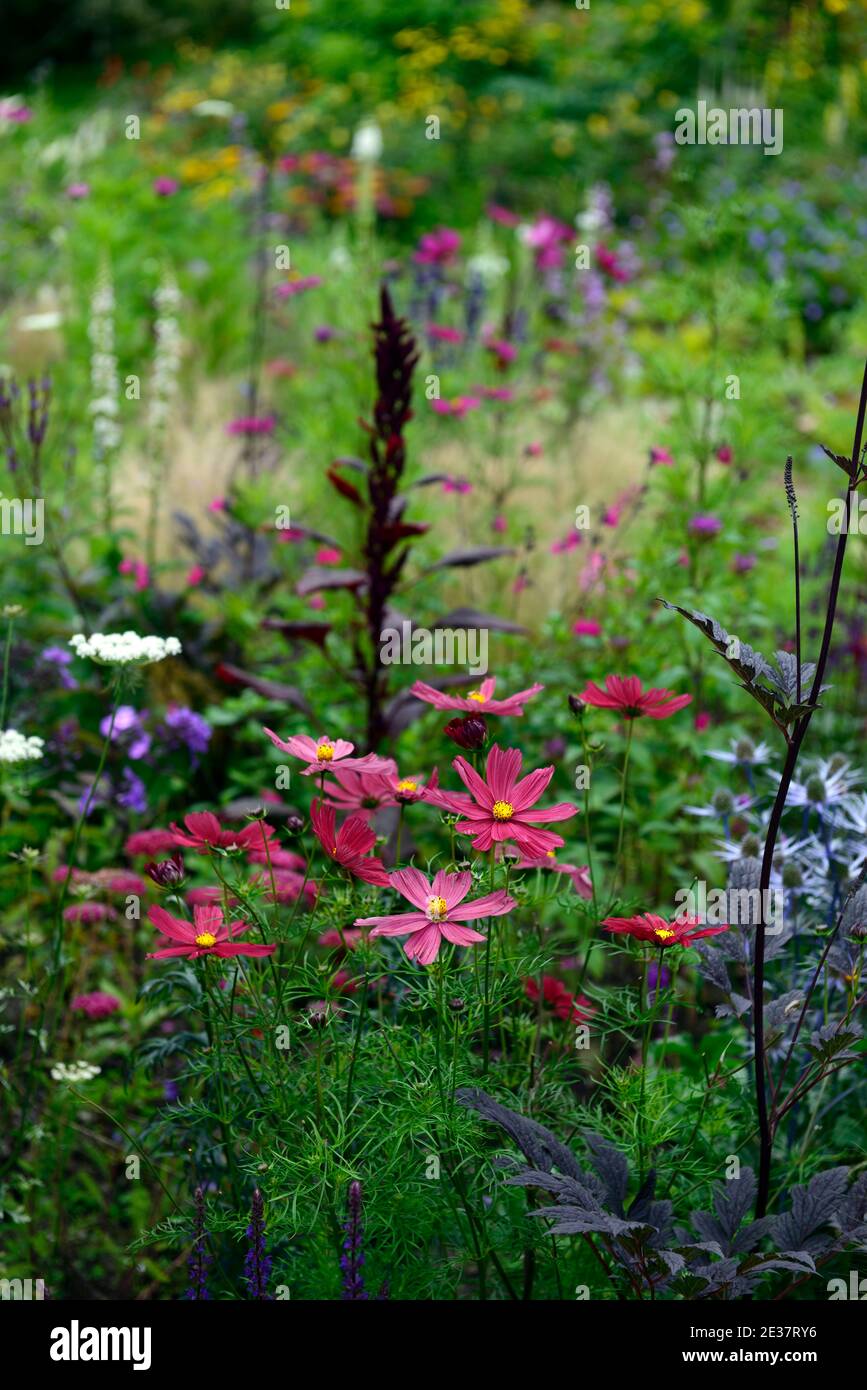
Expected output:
(437, 909)
(665, 933)
(206, 939)
(407, 786)
(502, 810)
(550, 853)
(325, 752)
(478, 696)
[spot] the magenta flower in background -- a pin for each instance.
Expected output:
(724, 453)
(496, 393)
(14, 111)
(704, 524)
(78, 190)
(546, 236)
(60, 658)
(610, 264)
(624, 694)
(587, 627)
(440, 911)
(128, 730)
(661, 457)
(195, 576)
(505, 352)
(247, 425)
(479, 701)
(701, 722)
(438, 247)
(328, 555)
(217, 504)
(89, 913)
(533, 450)
(441, 333)
(499, 524)
(569, 542)
(579, 874)
(288, 289)
(362, 792)
(502, 807)
(459, 485)
(139, 570)
(164, 187)
(457, 406)
(95, 1005)
(502, 215)
(742, 564)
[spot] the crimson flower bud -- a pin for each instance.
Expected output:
(168, 873)
(471, 732)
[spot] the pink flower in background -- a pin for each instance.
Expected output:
(661, 457)
(701, 722)
(504, 351)
(443, 334)
(96, 1005)
(724, 453)
(459, 485)
(496, 393)
(704, 524)
(89, 912)
(195, 576)
(615, 512)
(206, 935)
(742, 564)
(204, 833)
(555, 996)
(317, 602)
(610, 264)
(349, 845)
(502, 807)
(281, 367)
(587, 627)
(502, 215)
(217, 504)
(441, 910)
(546, 237)
(593, 570)
(624, 694)
(438, 247)
(479, 701)
(328, 555)
(164, 187)
(579, 874)
(77, 191)
(520, 583)
(287, 289)
(533, 450)
(363, 791)
(569, 542)
(499, 525)
(252, 424)
(139, 569)
(150, 842)
(457, 406)
(347, 939)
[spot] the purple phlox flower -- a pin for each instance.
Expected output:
(128, 730)
(352, 1259)
(257, 1263)
(133, 793)
(60, 658)
(704, 524)
(183, 727)
(199, 1257)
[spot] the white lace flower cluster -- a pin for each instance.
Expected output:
(124, 648)
(167, 354)
(74, 1072)
(17, 748)
(104, 377)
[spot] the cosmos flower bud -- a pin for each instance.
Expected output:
(168, 873)
(576, 704)
(294, 824)
(471, 732)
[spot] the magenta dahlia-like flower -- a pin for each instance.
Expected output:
(206, 935)
(502, 807)
(204, 832)
(440, 912)
(624, 694)
(479, 701)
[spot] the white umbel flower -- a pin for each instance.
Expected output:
(74, 1072)
(367, 143)
(124, 648)
(16, 748)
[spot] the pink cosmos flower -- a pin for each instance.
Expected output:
(661, 457)
(441, 333)
(204, 832)
(206, 935)
(504, 351)
(440, 910)
(139, 569)
(587, 627)
(97, 1005)
(76, 191)
(580, 875)
(655, 930)
(437, 247)
(349, 845)
(285, 886)
(348, 939)
(409, 789)
(624, 694)
(570, 542)
(363, 791)
(502, 807)
(289, 288)
(195, 576)
(164, 187)
(277, 857)
(502, 215)
(562, 1003)
(458, 406)
(319, 755)
(701, 722)
(479, 701)
(328, 555)
(252, 424)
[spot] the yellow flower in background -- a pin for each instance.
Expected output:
(836, 6)
(279, 110)
(599, 125)
(183, 100)
(695, 336)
